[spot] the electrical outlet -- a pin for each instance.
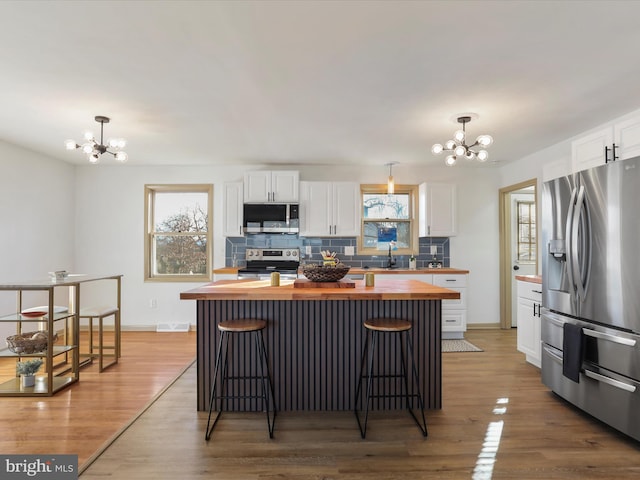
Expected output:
(349, 250)
(434, 249)
(153, 303)
(307, 250)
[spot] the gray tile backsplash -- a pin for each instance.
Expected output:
(237, 246)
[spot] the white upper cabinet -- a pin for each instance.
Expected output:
(437, 210)
(329, 209)
(232, 209)
(621, 139)
(271, 186)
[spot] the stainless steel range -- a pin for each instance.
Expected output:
(261, 262)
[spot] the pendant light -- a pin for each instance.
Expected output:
(390, 182)
(459, 148)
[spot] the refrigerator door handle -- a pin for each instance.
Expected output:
(610, 381)
(610, 338)
(576, 266)
(568, 239)
(583, 266)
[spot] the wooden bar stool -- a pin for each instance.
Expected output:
(398, 328)
(101, 312)
(262, 379)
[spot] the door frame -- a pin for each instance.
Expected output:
(504, 215)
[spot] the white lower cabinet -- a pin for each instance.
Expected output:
(454, 312)
(529, 304)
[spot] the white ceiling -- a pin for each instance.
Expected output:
(312, 82)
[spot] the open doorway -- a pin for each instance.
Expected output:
(518, 243)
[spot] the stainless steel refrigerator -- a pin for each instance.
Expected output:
(590, 318)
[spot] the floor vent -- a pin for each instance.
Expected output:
(172, 327)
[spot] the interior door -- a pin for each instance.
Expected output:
(523, 258)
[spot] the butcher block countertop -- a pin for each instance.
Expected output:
(384, 289)
(530, 278)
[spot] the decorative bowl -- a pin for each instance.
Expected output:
(31, 342)
(325, 273)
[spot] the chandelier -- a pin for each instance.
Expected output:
(93, 149)
(459, 148)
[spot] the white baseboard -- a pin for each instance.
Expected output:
(172, 327)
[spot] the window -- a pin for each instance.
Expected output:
(526, 231)
(388, 220)
(178, 232)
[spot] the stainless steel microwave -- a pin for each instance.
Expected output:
(271, 218)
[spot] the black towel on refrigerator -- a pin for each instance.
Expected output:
(572, 351)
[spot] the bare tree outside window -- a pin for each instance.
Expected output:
(179, 243)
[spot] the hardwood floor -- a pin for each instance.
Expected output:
(540, 436)
(498, 422)
(81, 418)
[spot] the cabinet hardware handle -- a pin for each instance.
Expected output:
(534, 309)
(537, 291)
(614, 157)
(606, 154)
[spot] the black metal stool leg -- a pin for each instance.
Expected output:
(267, 384)
(367, 401)
(215, 382)
(422, 426)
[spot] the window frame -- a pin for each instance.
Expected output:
(149, 263)
(532, 243)
(412, 190)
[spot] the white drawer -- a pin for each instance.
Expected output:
(457, 303)
(532, 291)
(449, 280)
(455, 320)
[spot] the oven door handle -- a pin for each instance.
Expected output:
(610, 338)
(610, 381)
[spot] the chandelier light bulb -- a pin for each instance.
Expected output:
(87, 148)
(484, 140)
(70, 144)
(121, 157)
(450, 145)
(436, 149)
(470, 155)
(94, 158)
(450, 160)
(459, 151)
(458, 136)
(88, 136)
(483, 155)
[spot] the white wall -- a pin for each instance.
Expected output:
(37, 205)
(110, 229)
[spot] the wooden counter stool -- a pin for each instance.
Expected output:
(398, 328)
(100, 313)
(263, 378)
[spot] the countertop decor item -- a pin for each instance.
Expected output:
(325, 273)
(27, 371)
(30, 342)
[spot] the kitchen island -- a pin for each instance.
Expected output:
(314, 337)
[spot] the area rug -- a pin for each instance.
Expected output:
(459, 346)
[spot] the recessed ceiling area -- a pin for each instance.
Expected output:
(314, 82)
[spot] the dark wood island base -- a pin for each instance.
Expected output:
(314, 339)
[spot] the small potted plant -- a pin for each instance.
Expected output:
(27, 371)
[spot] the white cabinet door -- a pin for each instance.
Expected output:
(330, 209)
(285, 186)
(588, 151)
(437, 210)
(315, 209)
(232, 209)
(266, 186)
(529, 303)
(627, 138)
(346, 209)
(257, 187)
